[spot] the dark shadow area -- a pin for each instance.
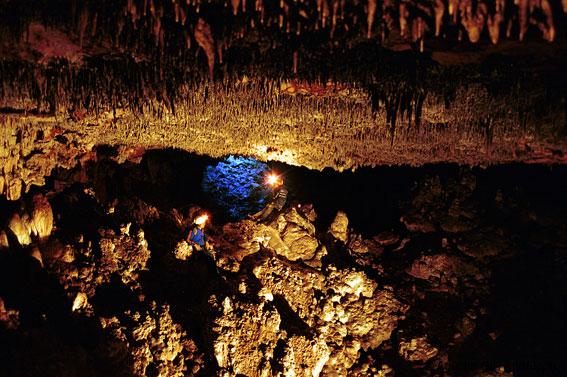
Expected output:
(526, 319)
(49, 334)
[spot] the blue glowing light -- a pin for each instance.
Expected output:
(236, 184)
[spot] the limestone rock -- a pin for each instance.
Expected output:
(316, 261)
(41, 217)
(182, 250)
(9, 318)
(304, 357)
(307, 211)
(245, 337)
(339, 227)
(34, 220)
(300, 244)
(124, 254)
(4, 243)
(294, 217)
(386, 238)
(155, 343)
(297, 285)
(484, 244)
(296, 241)
(445, 271)
(416, 222)
(364, 251)
(18, 226)
(343, 358)
(417, 350)
(245, 238)
(496, 372)
(136, 210)
(344, 306)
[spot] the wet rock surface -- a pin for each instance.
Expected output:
(468, 282)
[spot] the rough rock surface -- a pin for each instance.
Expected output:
(119, 292)
(417, 349)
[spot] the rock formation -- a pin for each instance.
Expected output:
(129, 297)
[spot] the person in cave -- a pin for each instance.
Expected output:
(279, 198)
(198, 239)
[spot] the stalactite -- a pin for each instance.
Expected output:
(404, 13)
(370, 17)
(259, 7)
(453, 8)
(547, 27)
(473, 22)
(82, 24)
(325, 13)
(334, 17)
(439, 10)
(235, 4)
(522, 17)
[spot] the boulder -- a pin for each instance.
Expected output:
(182, 250)
(483, 244)
(300, 244)
(445, 271)
(417, 222)
(339, 227)
(417, 350)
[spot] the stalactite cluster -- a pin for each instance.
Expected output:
(175, 27)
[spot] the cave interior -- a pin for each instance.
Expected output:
(423, 144)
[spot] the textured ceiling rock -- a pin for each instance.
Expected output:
(313, 83)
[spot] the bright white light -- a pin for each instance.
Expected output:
(201, 219)
(272, 179)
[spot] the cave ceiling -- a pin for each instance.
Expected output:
(317, 83)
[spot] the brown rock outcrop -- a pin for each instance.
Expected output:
(445, 271)
(417, 350)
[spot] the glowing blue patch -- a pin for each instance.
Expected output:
(236, 184)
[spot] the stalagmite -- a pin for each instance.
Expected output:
(370, 16)
(295, 62)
